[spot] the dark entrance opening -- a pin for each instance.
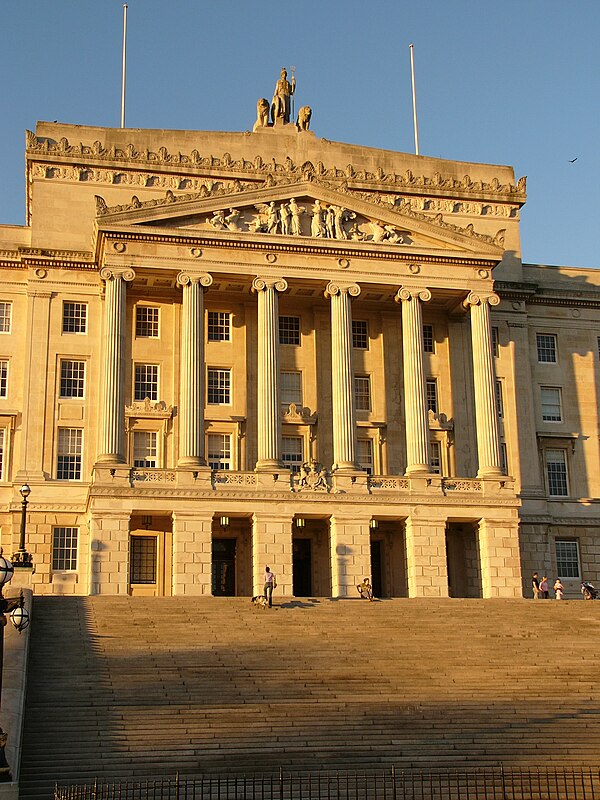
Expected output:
(223, 567)
(376, 566)
(462, 556)
(302, 567)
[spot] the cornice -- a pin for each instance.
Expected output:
(533, 294)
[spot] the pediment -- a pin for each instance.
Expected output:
(306, 210)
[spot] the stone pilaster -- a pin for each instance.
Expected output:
(111, 449)
(342, 376)
(109, 553)
(350, 551)
(486, 415)
(269, 421)
(415, 399)
(500, 557)
(426, 557)
(192, 553)
(272, 545)
(191, 387)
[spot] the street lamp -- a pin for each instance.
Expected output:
(19, 616)
(22, 558)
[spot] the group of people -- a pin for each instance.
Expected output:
(541, 588)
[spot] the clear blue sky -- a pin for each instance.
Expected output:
(514, 82)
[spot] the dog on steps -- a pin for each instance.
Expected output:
(260, 601)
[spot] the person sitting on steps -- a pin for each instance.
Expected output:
(365, 589)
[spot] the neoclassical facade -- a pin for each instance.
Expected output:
(225, 350)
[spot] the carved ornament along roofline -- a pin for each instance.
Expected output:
(377, 180)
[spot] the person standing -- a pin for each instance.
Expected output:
(535, 586)
(544, 591)
(270, 584)
(559, 589)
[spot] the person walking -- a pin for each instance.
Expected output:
(270, 584)
(559, 589)
(535, 586)
(544, 591)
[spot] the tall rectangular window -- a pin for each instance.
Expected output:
(428, 339)
(146, 382)
(503, 458)
(5, 317)
(435, 457)
(145, 449)
(551, 404)
(599, 347)
(556, 471)
(72, 378)
(219, 326)
(499, 400)
(364, 454)
(219, 450)
(146, 322)
(143, 558)
(3, 378)
(546, 348)
(2, 452)
(567, 558)
(495, 342)
(74, 317)
(64, 548)
(289, 330)
(360, 334)
(291, 387)
(292, 452)
(218, 387)
(431, 395)
(70, 447)
(362, 392)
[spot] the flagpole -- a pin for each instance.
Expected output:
(414, 98)
(124, 65)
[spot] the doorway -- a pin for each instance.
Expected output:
(150, 557)
(462, 557)
(376, 573)
(223, 567)
(302, 567)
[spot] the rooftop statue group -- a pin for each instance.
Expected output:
(279, 112)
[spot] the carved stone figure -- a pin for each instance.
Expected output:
(296, 211)
(304, 115)
(316, 225)
(284, 217)
(218, 221)
(232, 220)
(330, 222)
(340, 218)
(262, 114)
(313, 476)
(281, 105)
(272, 219)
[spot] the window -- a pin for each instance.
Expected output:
(364, 455)
(551, 405)
(431, 395)
(599, 347)
(72, 378)
(289, 330)
(499, 400)
(360, 334)
(567, 558)
(3, 378)
(143, 555)
(546, 348)
(219, 451)
(145, 449)
(146, 382)
(556, 470)
(2, 452)
(503, 458)
(362, 392)
(428, 340)
(495, 342)
(292, 452)
(70, 445)
(219, 326)
(435, 458)
(291, 388)
(74, 318)
(64, 548)
(146, 322)
(5, 317)
(219, 387)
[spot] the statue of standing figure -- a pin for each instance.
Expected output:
(281, 104)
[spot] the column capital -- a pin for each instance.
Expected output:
(260, 284)
(189, 276)
(481, 298)
(333, 288)
(112, 273)
(413, 293)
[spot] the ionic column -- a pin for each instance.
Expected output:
(191, 386)
(486, 414)
(112, 406)
(269, 422)
(415, 398)
(342, 376)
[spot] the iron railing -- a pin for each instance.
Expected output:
(490, 783)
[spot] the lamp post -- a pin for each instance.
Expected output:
(19, 616)
(22, 558)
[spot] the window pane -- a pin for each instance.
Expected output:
(146, 322)
(362, 392)
(74, 317)
(219, 451)
(64, 548)
(435, 461)
(556, 467)
(219, 328)
(432, 401)
(72, 378)
(146, 382)
(551, 406)
(499, 400)
(143, 559)
(219, 387)
(2, 446)
(145, 449)
(3, 378)
(364, 453)
(5, 317)
(428, 340)
(567, 559)
(292, 452)
(70, 442)
(546, 348)
(495, 341)
(291, 388)
(360, 334)
(289, 330)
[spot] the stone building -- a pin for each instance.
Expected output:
(222, 350)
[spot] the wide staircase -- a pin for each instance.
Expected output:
(133, 688)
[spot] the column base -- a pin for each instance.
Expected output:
(418, 469)
(269, 465)
(490, 472)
